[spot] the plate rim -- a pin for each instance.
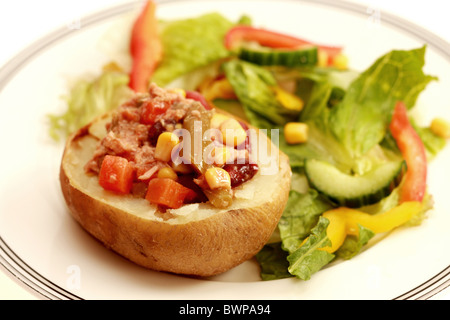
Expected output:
(24, 275)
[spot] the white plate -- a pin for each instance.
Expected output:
(47, 252)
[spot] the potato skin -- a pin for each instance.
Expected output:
(202, 248)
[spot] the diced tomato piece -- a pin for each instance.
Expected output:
(413, 151)
(168, 192)
(116, 174)
(151, 109)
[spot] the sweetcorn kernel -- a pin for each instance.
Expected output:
(112, 66)
(232, 132)
(181, 167)
(322, 58)
(341, 61)
(166, 142)
(440, 127)
(179, 91)
(221, 155)
(296, 132)
(168, 173)
(218, 89)
(217, 119)
(217, 178)
(288, 100)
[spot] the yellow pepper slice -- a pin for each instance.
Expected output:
(336, 230)
(288, 100)
(217, 89)
(344, 221)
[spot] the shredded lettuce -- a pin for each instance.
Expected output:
(87, 99)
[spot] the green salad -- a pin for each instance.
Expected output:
(352, 144)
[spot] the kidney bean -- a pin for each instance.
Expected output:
(240, 173)
(156, 129)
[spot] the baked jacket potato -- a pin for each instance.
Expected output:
(227, 211)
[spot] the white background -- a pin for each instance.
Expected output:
(24, 21)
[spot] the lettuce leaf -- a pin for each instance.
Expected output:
(360, 120)
(433, 143)
(316, 109)
(300, 216)
(307, 260)
(190, 44)
(321, 144)
(253, 86)
(353, 244)
(273, 262)
(277, 263)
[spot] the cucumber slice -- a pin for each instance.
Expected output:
(280, 57)
(354, 191)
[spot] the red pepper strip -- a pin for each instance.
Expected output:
(271, 39)
(413, 151)
(197, 96)
(145, 48)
